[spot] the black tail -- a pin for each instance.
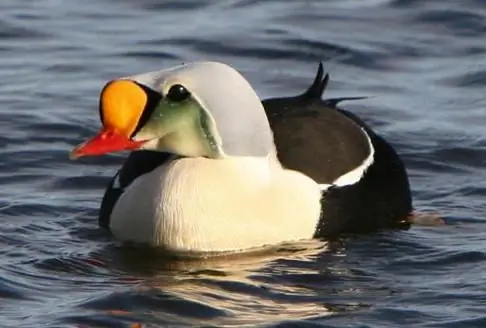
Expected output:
(317, 88)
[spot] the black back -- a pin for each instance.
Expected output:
(323, 141)
(313, 137)
(318, 138)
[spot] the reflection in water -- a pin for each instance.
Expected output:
(249, 288)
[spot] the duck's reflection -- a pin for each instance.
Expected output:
(250, 288)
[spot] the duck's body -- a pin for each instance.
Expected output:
(327, 174)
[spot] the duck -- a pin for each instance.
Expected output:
(214, 169)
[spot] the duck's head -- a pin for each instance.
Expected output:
(199, 109)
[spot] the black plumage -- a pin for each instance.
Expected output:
(316, 137)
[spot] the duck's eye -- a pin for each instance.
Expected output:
(178, 93)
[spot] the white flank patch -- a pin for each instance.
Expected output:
(356, 174)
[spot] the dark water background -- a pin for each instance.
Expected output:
(423, 63)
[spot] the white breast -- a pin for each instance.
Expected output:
(207, 205)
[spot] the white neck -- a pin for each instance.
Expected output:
(218, 205)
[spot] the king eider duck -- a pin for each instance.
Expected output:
(214, 169)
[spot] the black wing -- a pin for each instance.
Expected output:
(313, 136)
(318, 138)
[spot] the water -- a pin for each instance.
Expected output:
(423, 64)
